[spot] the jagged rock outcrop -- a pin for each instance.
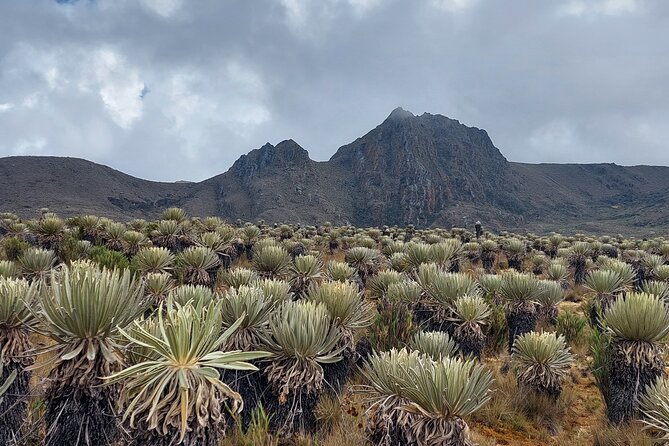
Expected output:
(286, 155)
(279, 183)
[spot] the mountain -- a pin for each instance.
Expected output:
(424, 170)
(427, 170)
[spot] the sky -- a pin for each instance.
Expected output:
(177, 90)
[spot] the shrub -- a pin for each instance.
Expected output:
(571, 326)
(496, 331)
(394, 323)
(108, 258)
(14, 248)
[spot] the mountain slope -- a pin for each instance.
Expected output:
(596, 197)
(423, 170)
(76, 186)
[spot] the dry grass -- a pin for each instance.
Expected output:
(350, 428)
(257, 434)
(337, 256)
(329, 412)
(340, 424)
(576, 293)
(503, 418)
(349, 433)
(516, 418)
(631, 435)
(482, 440)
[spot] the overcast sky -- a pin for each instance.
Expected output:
(176, 89)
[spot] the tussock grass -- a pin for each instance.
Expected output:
(627, 435)
(535, 416)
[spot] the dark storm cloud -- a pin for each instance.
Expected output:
(170, 89)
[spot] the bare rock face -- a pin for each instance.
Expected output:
(286, 155)
(409, 169)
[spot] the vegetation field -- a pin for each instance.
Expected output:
(198, 331)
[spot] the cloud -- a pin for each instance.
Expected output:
(362, 7)
(453, 6)
(118, 85)
(554, 138)
(582, 8)
(79, 69)
(164, 8)
(296, 11)
(30, 146)
(168, 89)
(198, 105)
(311, 20)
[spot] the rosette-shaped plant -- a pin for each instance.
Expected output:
(541, 360)
(17, 299)
(520, 293)
(441, 394)
(302, 338)
(82, 312)
(304, 272)
(272, 261)
(350, 313)
(605, 286)
(198, 265)
(638, 325)
(152, 260)
(435, 344)
(414, 399)
(654, 408)
(469, 316)
(549, 298)
(175, 395)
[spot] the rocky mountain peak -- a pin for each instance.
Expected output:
(427, 137)
(287, 153)
(399, 114)
(412, 167)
